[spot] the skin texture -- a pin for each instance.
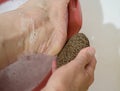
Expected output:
(51, 21)
(77, 75)
(38, 26)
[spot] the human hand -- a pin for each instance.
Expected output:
(77, 75)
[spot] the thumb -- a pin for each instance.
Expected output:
(85, 55)
(85, 59)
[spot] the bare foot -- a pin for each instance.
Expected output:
(49, 24)
(38, 26)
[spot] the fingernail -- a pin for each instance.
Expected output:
(91, 51)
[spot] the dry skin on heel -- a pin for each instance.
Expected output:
(72, 48)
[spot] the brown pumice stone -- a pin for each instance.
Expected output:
(72, 48)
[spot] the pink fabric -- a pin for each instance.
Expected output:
(2, 1)
(74, 18)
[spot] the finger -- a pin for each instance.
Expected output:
(82, 60)
(91, 66)
(85, 56)
(90, 69)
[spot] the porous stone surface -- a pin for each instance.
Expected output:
(72, 48)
